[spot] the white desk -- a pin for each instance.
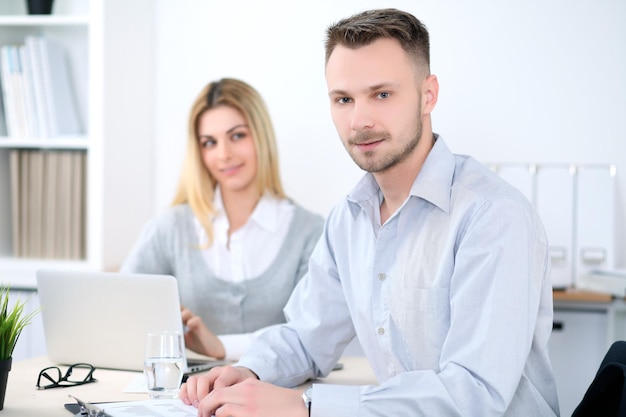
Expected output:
(23, 399)
(585, 325)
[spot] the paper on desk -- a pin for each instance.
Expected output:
(138, 384)
(153, 408)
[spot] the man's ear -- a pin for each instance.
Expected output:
(430, 93)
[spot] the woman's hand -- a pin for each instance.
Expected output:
(199, 338)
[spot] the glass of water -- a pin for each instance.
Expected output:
(163, 364)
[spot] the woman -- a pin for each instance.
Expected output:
(236, 244)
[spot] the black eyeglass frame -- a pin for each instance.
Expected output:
(65, 381)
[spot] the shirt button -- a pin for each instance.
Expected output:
(382, 276)
(381, 331)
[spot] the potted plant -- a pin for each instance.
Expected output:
(12, 321)
(39, 6)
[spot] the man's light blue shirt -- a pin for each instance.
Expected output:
(450, 299)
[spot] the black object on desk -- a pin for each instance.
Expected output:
(80, 408)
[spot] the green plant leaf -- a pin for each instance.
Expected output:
(12, 322)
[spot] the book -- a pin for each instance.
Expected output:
(31, 47)
(605, 281)
(57, 88)
(50, 203)
(27, 83)
(24, 202)
(14, 163)
(7, 68)
(35, 207)
(3, 118)
(77, 206)
(17, 87)
(64, 208)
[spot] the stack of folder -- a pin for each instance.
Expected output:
(48, 191)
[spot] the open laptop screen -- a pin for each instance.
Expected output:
(102, 318)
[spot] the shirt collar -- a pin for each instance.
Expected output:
(265, 213)
(433, 183)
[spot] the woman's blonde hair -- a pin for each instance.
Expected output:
(196, 186)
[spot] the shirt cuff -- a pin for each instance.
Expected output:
(236, 345)
(335, 400)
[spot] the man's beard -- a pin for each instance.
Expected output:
(368, 161)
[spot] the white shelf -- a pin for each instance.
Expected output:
(43, 20)
(117, 124)
(19, 273)
(77, 30)
(63, 142)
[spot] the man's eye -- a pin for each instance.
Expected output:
(383, 94)
(343, 100)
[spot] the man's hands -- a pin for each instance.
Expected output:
(199, 338)
(198, 386)
(236, 392)
(229, 391)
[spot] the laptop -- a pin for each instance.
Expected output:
(102, 318)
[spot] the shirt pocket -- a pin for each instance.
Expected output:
(425, 300)
(422, 317)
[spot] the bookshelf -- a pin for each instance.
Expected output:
(103, 42)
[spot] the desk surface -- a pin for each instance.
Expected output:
(577, 295)
(24, 400)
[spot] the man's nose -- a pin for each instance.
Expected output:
(361, 116)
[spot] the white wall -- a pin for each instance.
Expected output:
(129, 91)
(521, 81)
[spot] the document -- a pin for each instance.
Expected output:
(137, 385)
(148, 408)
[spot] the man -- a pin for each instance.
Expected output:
(437, 265)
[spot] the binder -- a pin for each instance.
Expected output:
(60, 104)
(604, 281)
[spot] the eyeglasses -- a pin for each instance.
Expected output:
(77, 374)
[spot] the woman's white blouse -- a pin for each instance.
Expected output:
(253, 247)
